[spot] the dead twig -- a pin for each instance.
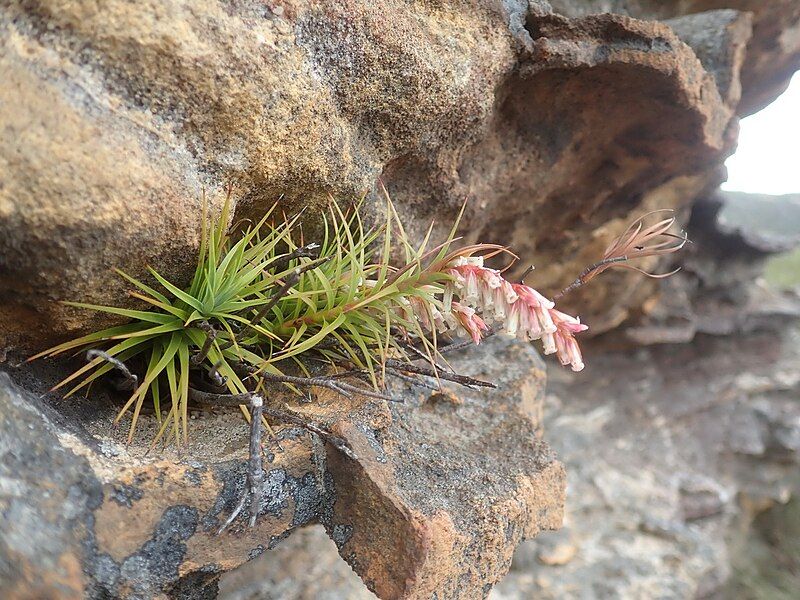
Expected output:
(282, 262)
(285, 416)
(345, 389)
(131, 380)
(215, 377)
(332, 382)
(397, 365)
(421, 355)
(468, 342)
(211, 335)
(527, 272)
(289, 282)
(255, 469)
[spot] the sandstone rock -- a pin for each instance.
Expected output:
(619, 158)
(558, 129)
(441, 495)
(719, 39)
(773, 53)
(720, 289)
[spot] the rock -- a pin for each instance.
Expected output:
(440, 497)
(773, 53)
(763, 223)
(303, 567)
(47, 501)
(568, 185)
(719, 39)
(441, 511)
(559, 129)
(720, 290)
(702, 497)
(559, 555)
(658, 487)
(673, 449)
(87, 520)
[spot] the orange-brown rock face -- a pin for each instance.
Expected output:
(772, 54)
(557, 129)
(444, 489)
(569, 157)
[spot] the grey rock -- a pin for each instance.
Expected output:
(765, 223)
(655, 495)
(719, 56)
(47, 495)
(445, 485)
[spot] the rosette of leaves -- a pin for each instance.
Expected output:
(261, 299)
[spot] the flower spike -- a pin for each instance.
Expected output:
(636, 242)
(523, 312)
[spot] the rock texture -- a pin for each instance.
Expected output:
(445, 488)
(558, 128)
(696, 440)
(773, 53)
(673, 448)
(305, 566)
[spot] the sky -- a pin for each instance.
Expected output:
(767, 159)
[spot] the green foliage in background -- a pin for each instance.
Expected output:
(783, 271)
(767, 564)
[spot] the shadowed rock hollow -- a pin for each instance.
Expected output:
(557, 123)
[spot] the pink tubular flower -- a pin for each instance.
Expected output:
(523, 312)
(567, 349)
(469, 320)
(431, 317)
(534, 315)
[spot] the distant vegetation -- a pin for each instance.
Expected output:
(784, 271)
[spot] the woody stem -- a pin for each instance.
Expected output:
(587, 274)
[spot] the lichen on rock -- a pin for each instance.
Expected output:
(558, 122)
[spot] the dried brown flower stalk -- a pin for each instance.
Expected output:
(636, 242)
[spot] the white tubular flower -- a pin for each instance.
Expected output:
(524, 312)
